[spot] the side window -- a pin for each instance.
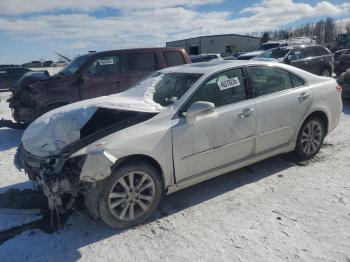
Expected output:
(296, 54)
(103, 66)
(142, 62)
(297, 81)
(311, 52)
(322, 51)
(173, 58)
(222, 89)
(267, 80)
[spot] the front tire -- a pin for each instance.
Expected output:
(310, 138)
(130, 195)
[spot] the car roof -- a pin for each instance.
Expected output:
(214, 66)
(148, 49)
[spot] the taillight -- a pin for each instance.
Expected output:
(339, 88)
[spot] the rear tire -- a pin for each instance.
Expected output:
(310, 138)
(130, 195)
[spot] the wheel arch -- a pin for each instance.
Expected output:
(142, 158)
(319, 113)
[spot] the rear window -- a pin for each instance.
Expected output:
(173, 58)
(297, 81)
(142, 62)
(322, 50)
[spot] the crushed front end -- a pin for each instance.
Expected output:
(63, 153)
(57, 176)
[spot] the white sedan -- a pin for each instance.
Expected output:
(176, 128)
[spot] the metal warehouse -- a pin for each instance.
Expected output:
(223, 44)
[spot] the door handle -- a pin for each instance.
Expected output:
(303, 96)
(246, 112)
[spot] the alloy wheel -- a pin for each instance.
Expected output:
(311, 137)
(131, 196)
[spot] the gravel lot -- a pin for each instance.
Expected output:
(276, 210)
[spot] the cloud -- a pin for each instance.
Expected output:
(78, 45)
(140, 23)
(16, 7)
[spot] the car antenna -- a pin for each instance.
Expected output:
(63, 56)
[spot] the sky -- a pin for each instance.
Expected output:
(35, 29)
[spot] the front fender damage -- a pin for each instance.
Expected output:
(73, 172)
(97, 165)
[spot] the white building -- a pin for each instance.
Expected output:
(223, 44)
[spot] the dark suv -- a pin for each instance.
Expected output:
(91, 75)
(341, 61)
(313, 58)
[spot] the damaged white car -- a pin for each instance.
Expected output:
(176, 128)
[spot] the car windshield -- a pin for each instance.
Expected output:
(275, 53)
(74, 65)
(162, 89)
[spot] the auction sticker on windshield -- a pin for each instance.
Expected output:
(228, 83)
(106, 62)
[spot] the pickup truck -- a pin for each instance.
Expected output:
(88, 76)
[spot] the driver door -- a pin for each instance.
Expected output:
(105, 76)
(218, 139)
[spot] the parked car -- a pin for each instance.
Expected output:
(263, 47)
(9, 76)
(274, 44)
(344, 81)
(341, 61)
(176, 128)
(234, 56)
(315, 59)
(205, 58)
(47, 63)
(33, 64)
(91, 75)
(59, 64)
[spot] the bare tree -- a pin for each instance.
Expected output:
(347, 27)
(265, 37)
(329, 30)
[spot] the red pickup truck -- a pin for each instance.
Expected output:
(90, 75)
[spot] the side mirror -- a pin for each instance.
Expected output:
(200, 108)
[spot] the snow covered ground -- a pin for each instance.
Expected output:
(275, 210)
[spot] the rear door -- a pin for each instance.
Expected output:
(297, 59)
(282, 100)
(313, 60)
(219, 139)
(139, 65)
(104, 76)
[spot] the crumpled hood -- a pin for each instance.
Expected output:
(48, 134)
(28, 79)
